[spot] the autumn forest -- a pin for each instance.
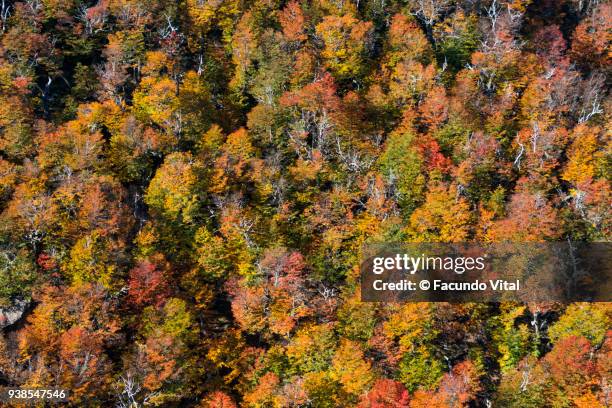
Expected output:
(186, 188)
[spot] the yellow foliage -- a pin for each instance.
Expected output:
(444, 217)
(582, 156)
(173, 191)
(345, 38)
(350, 368)
(206, 15)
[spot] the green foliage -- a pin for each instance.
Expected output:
(512, 339)
(92, 260)
(581, 319)
(419, 369)
(174, 320)
(511, 394)
(451, 138)
(457, 41)
(312, 348)
(17, 275)
(402, 166)
(356, 320)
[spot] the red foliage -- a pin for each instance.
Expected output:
(219, 399)
(386, 394)
(591, 39)
(22, 84)
(317, 95)
(46, 262)
(292, 20)
(434, 110)
(550, 45)
(571, 364)
(148, 285)
(461, 384)
(530, 218)
(434, 159)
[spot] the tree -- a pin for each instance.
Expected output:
(318, 111)
(402, 166)
(65, 339)
(148, 282)
(244, 43)
(95, 258)
(428, 11)
(293, 21)
(513, 340)
(218, 399)
(77, 146)
(231, 167)
(346, 44)
(124, 53)
(102, 207)
(312, 348)
(386, 393)
(588, 42)
(582, 156)
(322, 390)
(530, 218)
(443, 217)
(265, 392)
(524, 384)
(461, 385)
(456, 40)
(187, 190)
(581, 320)
(276, 299)
(208, 16)
(407, 41)
(572, 370)
(157, 100)
(17, 274)
(163, 356)
(350, 369)
(412, 329)
(175, 191)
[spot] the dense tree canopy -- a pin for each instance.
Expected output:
(186, 186)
